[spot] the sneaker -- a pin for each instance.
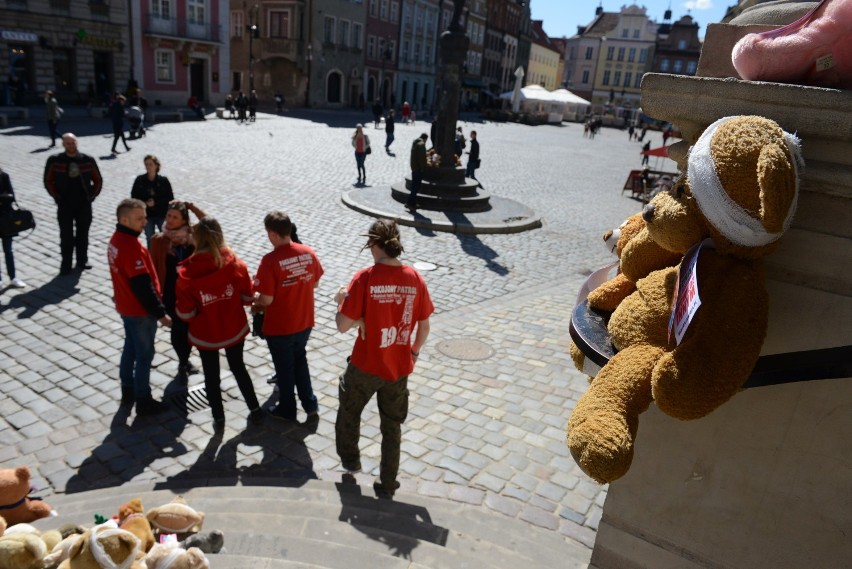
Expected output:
(272, 379)
(279, 413)
(351, 466)
(17, 283)
(383, 491)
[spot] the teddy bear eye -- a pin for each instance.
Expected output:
(681, 189)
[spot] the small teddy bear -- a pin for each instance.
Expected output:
(104, 547)
(169, 556)
(16, 504)
(22, 550)
(737, 200)
(176, 517)
(132, 519)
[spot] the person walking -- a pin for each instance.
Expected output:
(156, 191)
(213, 288)
(377, 113)
(473, 156)
(385, 302)
(252, 106)
(389, 127)
(116, 115)
(361, 144)
(418, 168)
(284, 291)
(242, 105)
(136, 293)
(229, 106)
(137, 100)
(169, 248)
(7, 198)
(73, 180)
(645, 148)
(406, 112)
(54, 113)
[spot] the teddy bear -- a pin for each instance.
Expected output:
(104, 547)
(15, 502)
(22, 550)
(170, 556)
(132, 519)
(691, 352)
(176, 517)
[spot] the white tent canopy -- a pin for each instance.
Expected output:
(559, 102)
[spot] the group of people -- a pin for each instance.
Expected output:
(190, 280)
(242, 103)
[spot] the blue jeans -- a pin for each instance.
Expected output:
(135, 367)
(389, 140)
(471, 169)
(151, 226)
(291, 366)
(416, 181)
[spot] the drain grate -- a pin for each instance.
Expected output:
(193, 399)
(465, 349)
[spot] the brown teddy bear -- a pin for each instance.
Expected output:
(22, 550)
(740, 191)
(131, 518)
(15, 502)
(168, 556)
(104, 547)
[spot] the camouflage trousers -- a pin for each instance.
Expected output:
(356, 388)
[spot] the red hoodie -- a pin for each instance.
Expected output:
(211, 299)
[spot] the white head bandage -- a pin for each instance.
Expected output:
(721, 211)
(101, 556)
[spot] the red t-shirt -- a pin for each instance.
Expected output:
(391, 300)
(288, 274)
(128, 258)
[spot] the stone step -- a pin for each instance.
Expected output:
(346, 514)
(227, 561)
(446, 201)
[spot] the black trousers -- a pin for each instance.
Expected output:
(73, 213)
(210, 365)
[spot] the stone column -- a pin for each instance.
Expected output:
(453, 44)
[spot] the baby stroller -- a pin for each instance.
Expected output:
(136, 120)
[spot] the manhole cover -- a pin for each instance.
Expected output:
(424, 266)
(465, 349)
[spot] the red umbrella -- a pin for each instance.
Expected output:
(661, 151)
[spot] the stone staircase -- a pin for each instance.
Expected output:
(326, 525)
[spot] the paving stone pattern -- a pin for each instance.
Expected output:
(487, 433)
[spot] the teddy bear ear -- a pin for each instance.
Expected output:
(777, 179)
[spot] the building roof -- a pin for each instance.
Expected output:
(603, 24)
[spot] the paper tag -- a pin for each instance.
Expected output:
(825, 62)
(686, 299)
(168, 538)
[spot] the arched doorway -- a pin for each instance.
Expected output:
(371, 89)
(334, 87)
(386, 90)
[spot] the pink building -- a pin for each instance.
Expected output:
(180, 49)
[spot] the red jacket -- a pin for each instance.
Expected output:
(212, 300)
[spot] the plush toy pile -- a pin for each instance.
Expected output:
(738, 197)
(128, 541)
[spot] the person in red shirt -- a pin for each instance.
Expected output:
(136, 291)
(212, 290)
(284, 285)
(389, 304)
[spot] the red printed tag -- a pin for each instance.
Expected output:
(686, 299)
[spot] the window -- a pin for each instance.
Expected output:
(678, 66)
(590, 52)
(621, 54)
(236, 80)
(606, 77)
(636, 33)
(279, 23)
(664, 65)
(643, 54)
(356, 35)
(394, 12)
(237, 24)
(681, 45)
(628, 77)
(427, 55)
(381, 53)
(631, 55)
(616, 78)
(638, 80)
(383, 14)
(374, 8)
(691, 67)
(328, 29)
(625, 33)
(405, 51)
(165, 63)
(161, 8)
(343, 33)
(371, 47)
(391, 54)
(418, 17)
(610, 53)
(196, 11)
(416, 52)
(585, 78)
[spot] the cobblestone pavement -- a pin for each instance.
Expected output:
(487, 431)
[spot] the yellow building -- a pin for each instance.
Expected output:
(544, 60)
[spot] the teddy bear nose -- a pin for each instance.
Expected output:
(648, 213)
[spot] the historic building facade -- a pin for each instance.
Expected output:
(383, 17)
(418, 52)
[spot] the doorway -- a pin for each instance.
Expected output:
(197, 78)
(104, 85)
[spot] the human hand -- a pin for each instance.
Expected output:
(166, 321)
(340, 295)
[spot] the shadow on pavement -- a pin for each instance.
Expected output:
(128, 449)
(52, 292)
(472, 245)
(399, 526)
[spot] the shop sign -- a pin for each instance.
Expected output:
(25, 37)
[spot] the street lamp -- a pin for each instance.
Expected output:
(253, 31)
(309, 56)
